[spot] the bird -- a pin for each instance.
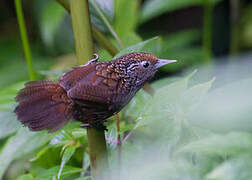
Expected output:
(89, 93)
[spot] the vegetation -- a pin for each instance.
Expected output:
(197, 125)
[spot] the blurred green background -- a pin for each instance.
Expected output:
(197, 125)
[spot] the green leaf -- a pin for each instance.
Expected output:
(22, 143)
(226, 108)
(194, 95)
(180, 46)
(7, 95)
(238, 168)
(231, 144)
(25, 177)
(130, 39)
(185, 58)
(165, 99)
(68, 153)
(152, 46)
(50, 19)
(9, 123)
(79, 132)
(83, 178)
(181, 39)
(52, 172)
(153, 8)
(246, 27)
(40, 153)
(61, 138)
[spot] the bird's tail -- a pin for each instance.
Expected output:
(43, 105)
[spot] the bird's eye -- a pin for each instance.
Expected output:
(145, 64)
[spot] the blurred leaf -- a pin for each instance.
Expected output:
(126, 127)
(7, 95)
(20, 144)
(152, 45)
(130, 38)
(186, 57)
(83, 178)
(246, 27)
(226, 108)
(181, 39)
(194, 95)
(126, 13)
(180, 46)
(238, 168)
(40, 153)
(50, 19)
(153, 8)
(52, 172)
(25, 177)
(61, 138)
(68, 153)
(107, 8)
(9, 123)
(224, 145)
(79, 132)
(134, 108)
(86, 161)
(7, 76)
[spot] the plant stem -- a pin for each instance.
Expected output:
(234, 21)
(119, 142)
(104, 42)
(23, 33)
(207, 30)
(82, 30)
(65, 4)
(84, 49)
(112, 31)
(98, 35)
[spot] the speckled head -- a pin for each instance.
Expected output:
(139, 66)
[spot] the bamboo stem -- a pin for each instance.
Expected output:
(104, 42)
(24, 38)
(207, 30)
(98, 35)
(82, 30)
(84, 49)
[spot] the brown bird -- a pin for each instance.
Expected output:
(90, 93)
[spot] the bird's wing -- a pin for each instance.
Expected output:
(84, 83)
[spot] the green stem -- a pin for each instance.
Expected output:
(64, 4)
(82, 30)
(24, 38)
(112, 31)
(98, 35)
(84, 49)
(104, 42)
(207, 30)
(235, 26)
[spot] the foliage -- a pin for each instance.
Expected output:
(195, 126)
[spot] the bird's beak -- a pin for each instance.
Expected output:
(162, 62)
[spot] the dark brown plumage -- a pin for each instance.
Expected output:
(89, 93)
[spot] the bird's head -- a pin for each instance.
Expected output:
(140, 67)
